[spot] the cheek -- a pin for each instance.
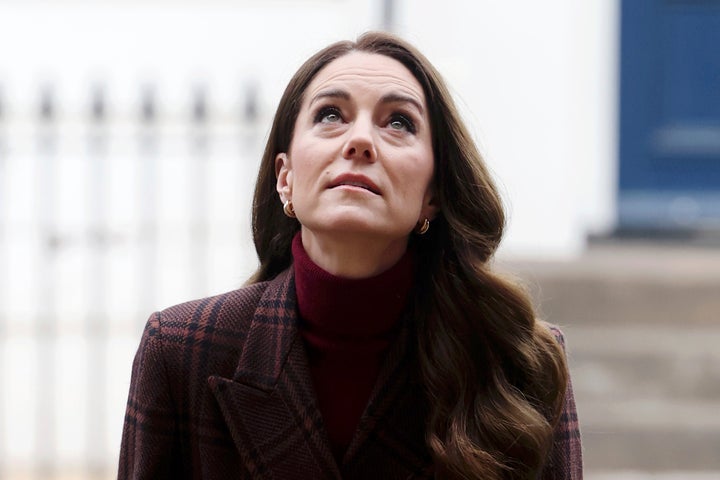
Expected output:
(423, 172)
(304, 176)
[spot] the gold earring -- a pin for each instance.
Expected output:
(421, 229)
(288, 209)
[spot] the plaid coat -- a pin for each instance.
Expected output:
(221, 390)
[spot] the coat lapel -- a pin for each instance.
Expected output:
(269, 405)
(390, 440)
(270, 409)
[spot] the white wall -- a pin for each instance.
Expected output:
(536, 81)
(173, 44)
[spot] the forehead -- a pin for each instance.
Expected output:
(366, 71)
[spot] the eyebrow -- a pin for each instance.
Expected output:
(398, 98)
(335, 93)
(387, 98)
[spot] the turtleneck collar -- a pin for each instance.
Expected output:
(350, 309)
(347, 326)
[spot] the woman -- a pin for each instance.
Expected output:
(373, 341)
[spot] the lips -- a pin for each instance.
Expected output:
(354, 180)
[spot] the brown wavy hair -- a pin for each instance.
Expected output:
(495, 377)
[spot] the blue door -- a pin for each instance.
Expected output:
(669, 176)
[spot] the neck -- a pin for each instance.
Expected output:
(352, 256)
(347, 326)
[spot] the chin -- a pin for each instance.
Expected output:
(358, 228)
(349, 225)
(357, 221)
(341, 222)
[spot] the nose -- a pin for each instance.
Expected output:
(360, 144)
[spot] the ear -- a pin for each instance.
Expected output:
(430, 206)
(283, 173)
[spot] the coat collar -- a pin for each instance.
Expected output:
(272, 414)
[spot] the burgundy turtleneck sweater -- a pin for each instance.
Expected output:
(347, 326)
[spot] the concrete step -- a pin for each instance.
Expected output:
(638, 362)
(648, 398)
(651, 451)
(641, 475)
(642, 323)
(627, 283)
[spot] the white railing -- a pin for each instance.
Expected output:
(105, 217)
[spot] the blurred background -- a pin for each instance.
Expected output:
(130, 134)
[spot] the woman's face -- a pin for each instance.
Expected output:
(361, 159)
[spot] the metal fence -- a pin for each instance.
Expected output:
(105, 216)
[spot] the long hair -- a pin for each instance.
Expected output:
(495, 377)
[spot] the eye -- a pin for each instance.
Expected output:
(401, 122)
(328, 115)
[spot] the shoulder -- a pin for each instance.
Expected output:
(194, 339)
(565, 461)
(205, 323)
(235, 304)
(554, 330)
